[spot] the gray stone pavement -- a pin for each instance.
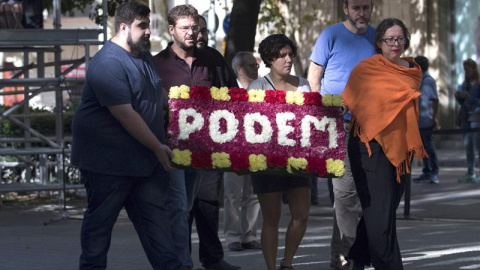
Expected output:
(442, 231)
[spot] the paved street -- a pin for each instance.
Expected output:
(441, 233)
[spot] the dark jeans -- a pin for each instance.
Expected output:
(430, 164)
(144, 200)
(380, 194)
(205, 211)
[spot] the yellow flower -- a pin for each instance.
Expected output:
(219, 94)
(327, 100)
(256, 95)
(335, 167)
(296, 163)
(184, 91)
(294, 98)
(182, 157)
(257, 162)
(221, 160)
(337, 100)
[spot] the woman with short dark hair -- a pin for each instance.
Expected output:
(382, 94)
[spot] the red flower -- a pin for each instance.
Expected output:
(272, 96)
(317, 165)
(312, 98)
(201, 160)
(238, 94)
(239, 161)
(200, 92)
(277, 161)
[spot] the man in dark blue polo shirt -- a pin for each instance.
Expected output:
(182, 63)
(119, 144)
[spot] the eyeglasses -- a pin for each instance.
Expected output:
(253, 66)
(391, 41)
(204, 31)
(195, 29)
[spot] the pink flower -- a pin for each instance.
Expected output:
(200, 92)
(239, 161)
(201, 160)
(317, 165)
(312, 98)
(272, 96)
(238, 94)
(277, 161)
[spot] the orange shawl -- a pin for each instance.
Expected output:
(382, 98)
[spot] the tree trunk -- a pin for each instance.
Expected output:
(242, 28)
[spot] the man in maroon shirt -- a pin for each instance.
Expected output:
(182, 63)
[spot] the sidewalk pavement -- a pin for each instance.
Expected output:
(441, 233)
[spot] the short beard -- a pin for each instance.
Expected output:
(203, 45)
(143, 45)
(350, 19)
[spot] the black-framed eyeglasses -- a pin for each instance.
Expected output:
(391, 41)
(204, 31)
(195, 29)
(252, 66)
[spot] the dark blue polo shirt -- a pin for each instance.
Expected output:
(100, 143)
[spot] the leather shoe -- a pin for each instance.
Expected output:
(222, 265)
(252, 245)
(235, 246)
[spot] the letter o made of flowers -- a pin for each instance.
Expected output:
(214, 126)
(249, 126)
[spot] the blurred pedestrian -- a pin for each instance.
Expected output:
(241, 207)
(338, 49)
(383, 140)
(119, 144)
(278, 52)
(427, 122)
(468, 96)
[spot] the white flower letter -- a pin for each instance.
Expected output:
(249, 125)
(187, 128)
(319, 125)
(214, 127)
(284, 129)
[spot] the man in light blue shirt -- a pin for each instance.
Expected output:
(427, 121)
(338, 49)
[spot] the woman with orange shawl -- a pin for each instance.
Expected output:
(382, 94)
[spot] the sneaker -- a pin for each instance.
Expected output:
(467, 178)
(421, 177)
(434, 179)
(252, 245)
(235, 246)
(339, 263)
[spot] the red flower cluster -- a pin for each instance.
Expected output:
(239, 161)
(200, 92)
(317, 165)
(238, 94)
(277, 161)
(201, 160)
(272, 96)
(312, 98)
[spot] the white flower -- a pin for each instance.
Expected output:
(186, 128)
(214, 126)
(284, 129)
(319, 125)
(248, 123)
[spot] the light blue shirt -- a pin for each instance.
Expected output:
(338, 50)
(428, 88)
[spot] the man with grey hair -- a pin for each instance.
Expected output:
(338, 49)
(241, 205)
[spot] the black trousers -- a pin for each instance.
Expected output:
(380, 194)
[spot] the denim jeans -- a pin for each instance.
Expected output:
(430, 164)
(471, 141)
(179, 202)
(144, 199)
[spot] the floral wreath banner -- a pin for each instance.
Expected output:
(251, 131)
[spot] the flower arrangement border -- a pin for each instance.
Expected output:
(204, 131)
